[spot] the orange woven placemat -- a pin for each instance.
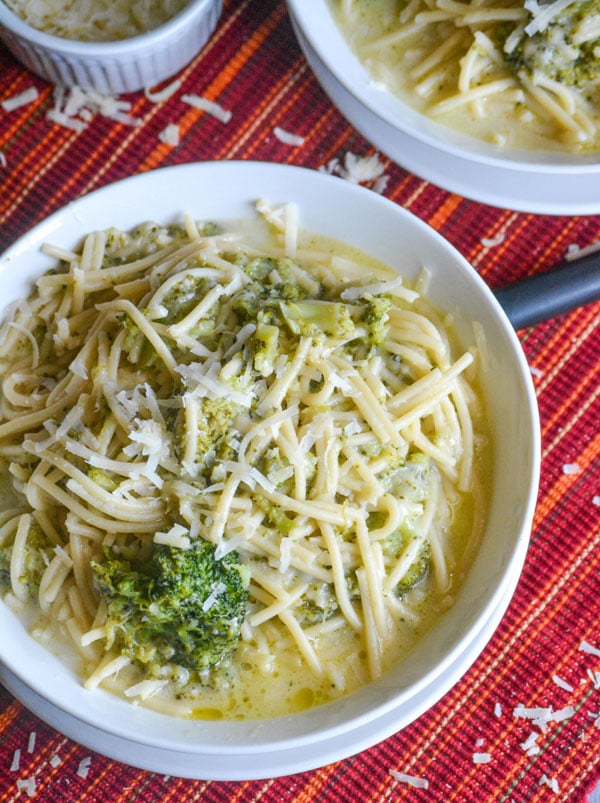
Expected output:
(546, 651)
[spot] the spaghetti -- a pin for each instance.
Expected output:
(282, 398)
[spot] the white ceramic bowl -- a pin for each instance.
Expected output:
(113, 67)
(524, 180)
(258, 749)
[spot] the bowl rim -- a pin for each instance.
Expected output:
(250, 174)
(111, 49)
(318, 25)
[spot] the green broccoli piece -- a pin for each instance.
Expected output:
(395, 544)
(411, 478)
(127, 246)
(275, 516)
(375, 317)
(260, 298)
(563, 51)
(214, 432)
(313, 318)
(178, 606)
(309, 612)
(183, 297)
(38, 554)
(262, 269)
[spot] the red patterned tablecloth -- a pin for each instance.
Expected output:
(546, 651)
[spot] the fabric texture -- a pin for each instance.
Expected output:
(254, 69)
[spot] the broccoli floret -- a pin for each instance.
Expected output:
(184, 296)
(417, 571)
(214, 433)
(128, 246)
(411, 478)
(411, 481)
(395, 544)
(178, 606)
(310, 612)
(566, 50)
(273, 280)
(316, 318)
(139, 350)
(275, 515)
(38, 554)
(278, 278)
(375, 317)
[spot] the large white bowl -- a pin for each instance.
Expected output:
(266, 748)
(519, 179)
(113, 67)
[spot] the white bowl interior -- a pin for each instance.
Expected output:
(337, 209)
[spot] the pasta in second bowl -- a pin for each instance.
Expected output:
(430, 85)
(276, 413)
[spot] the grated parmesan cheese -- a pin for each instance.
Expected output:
(55, 761)
(542, 716)
(543, 14)
(585, 646)
(176, 537)
(31, 742)
(170, 135)
(571, 468)
(208, 106)
(481, 758)
(530, 745)
(562, 683)
(596, 501)
(288, 138)
(574, 251)
(285, 554)
(76, 107)
(96, 20)
(411, 780)
(3, 162)
(491, 242)
(218, 589)
(16, 762)
(163, 94)
(359, 169)
(594, 677)
(22, 99)
(27, 785)
(84, 767)
(551, 782)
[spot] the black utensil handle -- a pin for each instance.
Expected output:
(554, 292)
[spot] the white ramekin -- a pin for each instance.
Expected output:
(113, 67)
